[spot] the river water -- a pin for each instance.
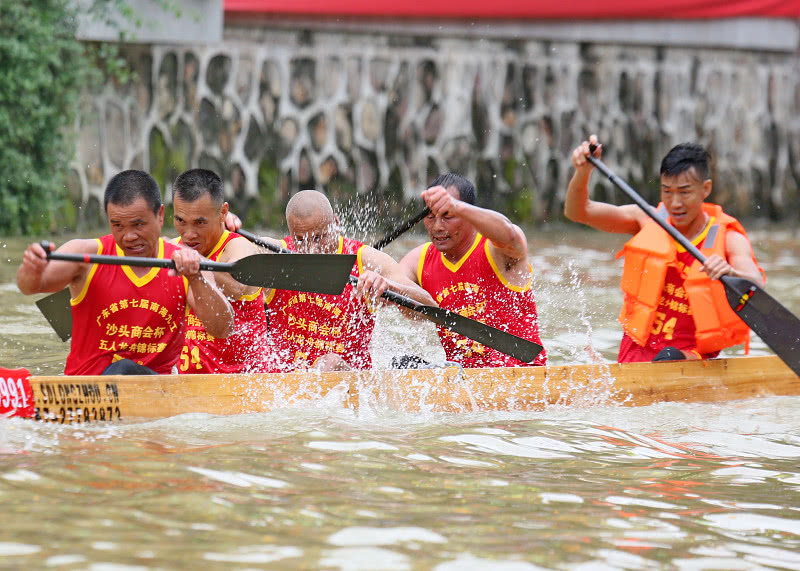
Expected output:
(669, 486)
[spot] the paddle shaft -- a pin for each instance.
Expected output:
(261, 242)
(400, 230)
(317, 273)
(131, 261)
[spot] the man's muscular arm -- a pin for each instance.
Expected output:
(236, 249)
(578, 207)
(507, 238)
(38, 275)
(205, 298)
(382, 273)
(740, 261)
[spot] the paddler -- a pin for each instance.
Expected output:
(129, 320)
(673, 307)
(476, 264)
(330, 332)
(200, 213)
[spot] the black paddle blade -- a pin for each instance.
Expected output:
(517, 347)
(778, 327)
(58, 312)
(316, 273)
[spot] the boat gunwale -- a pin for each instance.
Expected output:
(449, 389)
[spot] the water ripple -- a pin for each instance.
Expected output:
(374, 536)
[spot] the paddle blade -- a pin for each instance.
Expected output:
(517, 347)
(772, 322)
(316, 273)
(58, 312)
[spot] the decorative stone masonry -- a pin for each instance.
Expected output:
(373, 118)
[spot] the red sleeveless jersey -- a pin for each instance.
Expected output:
(241, 351)
(118, 315)
(475, 288)
(674, 325)
(305, 326)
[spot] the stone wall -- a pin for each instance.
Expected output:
(374, 117)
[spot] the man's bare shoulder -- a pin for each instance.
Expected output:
(736, 242)
(274, 241)
(368, 252)
(414, 254)
(410, 262)
(632, 219)
(238, 248)
(80, 246)
(373, 259)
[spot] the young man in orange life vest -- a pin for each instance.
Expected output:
(200, 212)
(128, 320)
(674, 308)
(330, 332)
(476, 264)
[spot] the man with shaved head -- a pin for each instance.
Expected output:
(330, 332)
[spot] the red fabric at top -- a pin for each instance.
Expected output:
(533, 10)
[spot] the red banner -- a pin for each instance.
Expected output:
(520, 9)
(16, 394)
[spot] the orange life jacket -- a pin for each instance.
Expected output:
(647, 256)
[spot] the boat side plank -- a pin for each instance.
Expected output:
(86, 399)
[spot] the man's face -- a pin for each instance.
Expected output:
(683, 197)
(314, 235)
(448, 232)
(199, 223)
(135, 227)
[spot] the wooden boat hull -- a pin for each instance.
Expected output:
(118, 398)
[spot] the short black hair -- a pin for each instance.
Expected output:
(128, 186)
(685, 156)
(194, 183)
(466, 190)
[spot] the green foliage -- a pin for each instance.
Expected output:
(110, 62)
(42, 68)
(44, 71)
(518, 205)
(121, 15)
(270, 205)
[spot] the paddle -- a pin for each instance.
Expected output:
(319, 273)
(401, 229)
(517, 347)
(56, 308)
(58, 312)
(773, 323)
